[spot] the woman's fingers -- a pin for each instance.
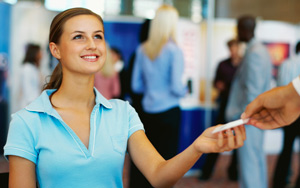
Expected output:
(239, 136)
(230, 138)
(243, 131)
(220, 139)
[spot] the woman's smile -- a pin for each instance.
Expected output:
(90, 58)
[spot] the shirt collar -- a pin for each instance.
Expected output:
(43, 104)
(102, 100)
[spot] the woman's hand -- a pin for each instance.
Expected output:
(226, 140)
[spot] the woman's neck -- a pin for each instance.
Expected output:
(78, 93)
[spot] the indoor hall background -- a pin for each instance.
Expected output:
(227, 10)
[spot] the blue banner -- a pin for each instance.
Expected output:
(5, 14)
(124, 36)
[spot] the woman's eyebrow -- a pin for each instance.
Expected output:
(77, 32)
(98, 31)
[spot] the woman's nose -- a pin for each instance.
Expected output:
(91, 44)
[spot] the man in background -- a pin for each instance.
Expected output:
(252, 78)
(222, 82)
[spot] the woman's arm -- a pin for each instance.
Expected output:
(21, 173)
(165, 173)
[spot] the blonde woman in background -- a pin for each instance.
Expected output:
(107, 79)
(157, 74)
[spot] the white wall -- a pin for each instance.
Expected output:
(189, 40)
(30, 23)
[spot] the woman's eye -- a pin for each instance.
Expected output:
(78, 37)
(98, 37)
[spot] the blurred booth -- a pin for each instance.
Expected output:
(123, 34)
(193, 123)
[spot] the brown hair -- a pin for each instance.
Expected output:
(232, 42)
(56, 30)
(32, 51)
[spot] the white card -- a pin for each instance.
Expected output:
(230, 125)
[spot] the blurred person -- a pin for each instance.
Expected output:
(136, 178)
(157, 74)
(117, 59)
(288, 70)
(107, 79)
(31, 79)
(71, 136)
(222, 82)
(252, 78)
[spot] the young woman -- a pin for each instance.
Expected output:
(71, 136)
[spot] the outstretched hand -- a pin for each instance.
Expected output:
(273, 109)
(222, 141)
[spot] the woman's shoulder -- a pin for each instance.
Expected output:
(172, 46)
(24, 119)
(26, 113)
(40, 105)
(140, 48)
(119, 103)
(121, 106)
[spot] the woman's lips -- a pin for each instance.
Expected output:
(90, 58)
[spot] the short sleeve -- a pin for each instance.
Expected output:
(20, 140)
(135, 123)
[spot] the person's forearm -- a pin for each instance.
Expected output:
(291, 94)
(170, 171)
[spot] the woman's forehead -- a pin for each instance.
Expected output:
(83, 23)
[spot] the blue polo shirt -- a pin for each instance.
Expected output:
(39, 134)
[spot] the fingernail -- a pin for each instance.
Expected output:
(243, 116)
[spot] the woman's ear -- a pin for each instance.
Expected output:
(54, 50)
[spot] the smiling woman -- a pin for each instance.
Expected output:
(71, 136)
(81, 50)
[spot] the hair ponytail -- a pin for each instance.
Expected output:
(56, 78)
